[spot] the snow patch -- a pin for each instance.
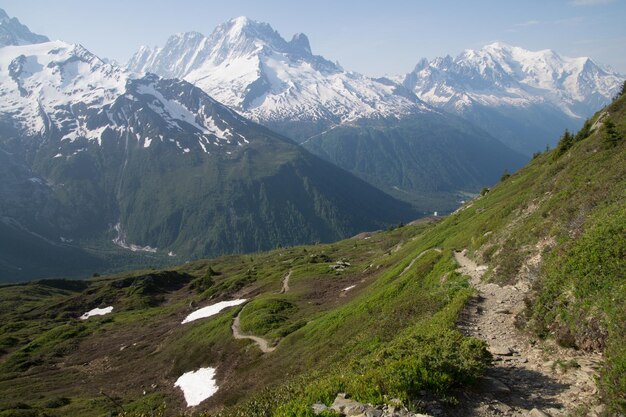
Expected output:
(198, 385)
(171, 111)
(97, 312)
(211, 310)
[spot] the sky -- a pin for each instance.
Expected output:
(383, 37)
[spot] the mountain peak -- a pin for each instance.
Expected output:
(240, 22)
(300, 43)
(243, 26)
(243, 29)
(12, 32)
(423, 63)
(497, 45)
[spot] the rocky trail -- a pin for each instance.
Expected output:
(285, 287)
(528, 377)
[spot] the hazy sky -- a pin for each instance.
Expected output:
(372, 37)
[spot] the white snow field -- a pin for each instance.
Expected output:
(198, 385)
(97, 312)
(211, 310)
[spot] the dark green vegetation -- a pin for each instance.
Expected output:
(560, 219)
(431, 160)
(235, 199)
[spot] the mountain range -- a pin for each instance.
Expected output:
(375, 128)
(511, 305)
(108, 166)
(524, 98)
(390, 130)
(108, 163)
(12, 32)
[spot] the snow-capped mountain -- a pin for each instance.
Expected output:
(533, 92)
(247, 65)
(61, 89)
(43, 83)
(374, 128)
(92, 156)
(12, 32)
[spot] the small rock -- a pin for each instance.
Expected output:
(556, 412)
(319, 408)
(346, 406)
(500, 350)
(503, 408)
(372, 412)
(535, 412)
(394, 402)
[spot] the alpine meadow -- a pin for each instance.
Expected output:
(228, 224)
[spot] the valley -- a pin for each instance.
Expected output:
(229, 225)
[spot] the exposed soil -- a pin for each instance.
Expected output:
(528, 377)
(285, 287)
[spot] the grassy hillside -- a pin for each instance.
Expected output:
(373, 316)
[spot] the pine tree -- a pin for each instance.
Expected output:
(611, 135)
(566, 142)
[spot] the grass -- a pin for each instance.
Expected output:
(315, 321)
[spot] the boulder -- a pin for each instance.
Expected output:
(347, 406)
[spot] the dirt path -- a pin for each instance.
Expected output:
(261, 343)
(529, 377)
(285, 287)
(417, 257)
